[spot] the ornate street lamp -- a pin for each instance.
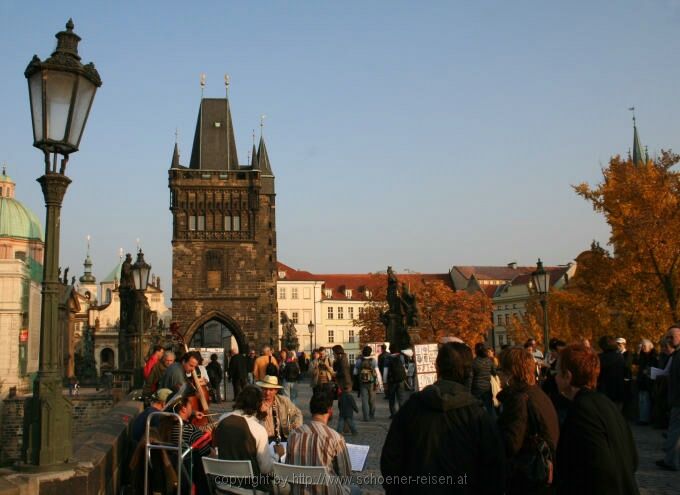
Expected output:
(541, 281)
(311, 327)
(61, 92)
(140, 275)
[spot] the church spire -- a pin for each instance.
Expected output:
(87, 277)
(639, 154)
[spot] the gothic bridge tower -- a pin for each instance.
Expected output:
(223, 238)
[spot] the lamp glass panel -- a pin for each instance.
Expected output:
(136, 277)
(35, 89)
(546, 282)
(81, 108)
(59, 87)
(144, 272)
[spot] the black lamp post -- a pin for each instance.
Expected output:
(140, 275)
(61, 92)
(541, 281)
(311, 327)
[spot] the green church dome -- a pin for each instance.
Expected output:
(18, 221)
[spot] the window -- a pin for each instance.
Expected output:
(500, 320)
(232, 223)
(200, 222)
(361, 311)
(340, 313)
(192, 222)
(507, 319)
(501, 339)
(348, 293)
(350, 313)
(330, 312)
(294, 316)
(282, 292)
(294, 293)
(368, 293)
(331, 336)
(328, 293)
(306, 293)
(351, 358)
(350, 336)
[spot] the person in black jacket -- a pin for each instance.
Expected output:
(483, 367)
(443, 431)
(238, 371)
(527, 411)
(596, 453)
(612, 371)
(215, 375)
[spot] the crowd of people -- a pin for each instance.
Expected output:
(520, 422)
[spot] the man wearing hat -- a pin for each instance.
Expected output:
(158, 400)
(282, 416)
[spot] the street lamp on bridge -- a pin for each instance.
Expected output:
(311, 327)
(541, 281)
(61, 91)
(140, 275)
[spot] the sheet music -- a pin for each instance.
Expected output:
(357, 455)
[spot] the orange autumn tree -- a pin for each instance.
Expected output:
(640, 201)
(442, 311)
(634, 291)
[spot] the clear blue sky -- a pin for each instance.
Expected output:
(415, 134)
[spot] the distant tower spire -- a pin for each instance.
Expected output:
(226, 88)
(262, 117)
(639, 154)
(253, 160)
(87, 277)
(175, 153)
(200, 147)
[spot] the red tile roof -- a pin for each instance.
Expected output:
(556, 272)
(493, 272)
(357, 283)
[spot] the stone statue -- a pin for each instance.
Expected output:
(126, 280)
(289, 338)
(402, 312)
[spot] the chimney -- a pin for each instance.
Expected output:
(512, 265)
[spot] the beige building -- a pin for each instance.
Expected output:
(510, 299)
(21, 258)
(330, 303)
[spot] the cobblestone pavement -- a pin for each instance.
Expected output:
(652, 480)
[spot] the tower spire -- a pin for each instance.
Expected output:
(639, 154)
(175, 153)
(87, 277)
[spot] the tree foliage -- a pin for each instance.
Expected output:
(634, 291)
(442, 311)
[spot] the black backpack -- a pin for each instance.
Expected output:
(271, 369)
(291, 371)
(396, 370)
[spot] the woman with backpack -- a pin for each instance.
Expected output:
(483, 368)
(529, 426)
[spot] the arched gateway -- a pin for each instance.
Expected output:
(223, 239)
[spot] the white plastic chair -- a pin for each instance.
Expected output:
(286, 475)
(229, 470)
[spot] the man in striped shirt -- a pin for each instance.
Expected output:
(316, 444)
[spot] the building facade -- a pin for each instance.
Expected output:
(223, 238)
(21, 258)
